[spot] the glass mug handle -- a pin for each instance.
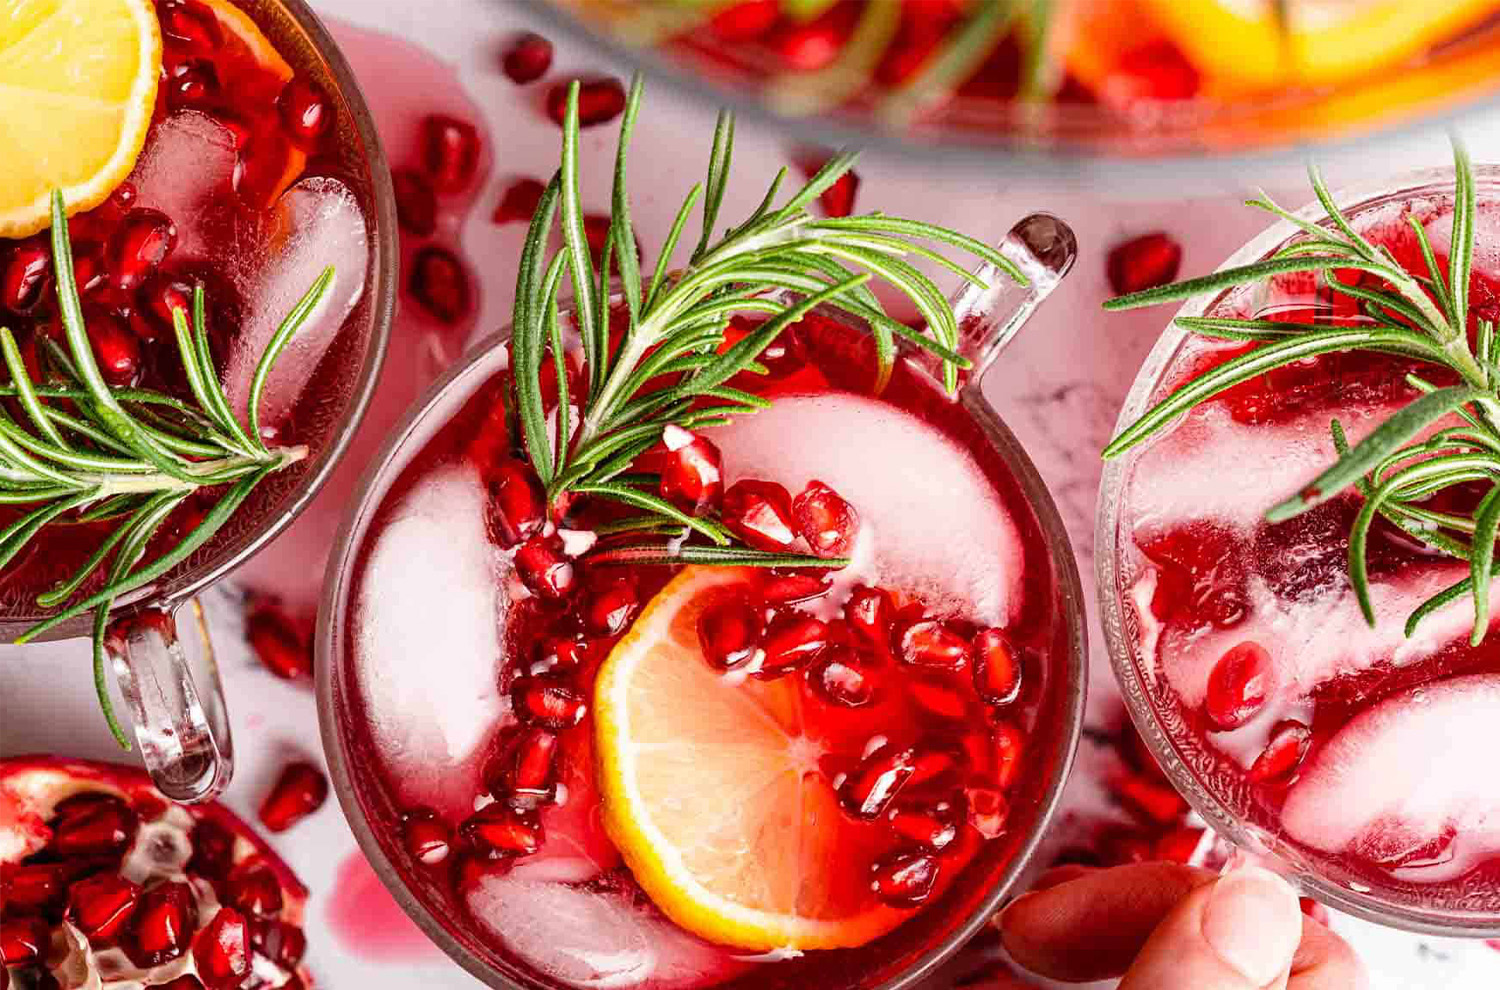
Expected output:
(175, 699)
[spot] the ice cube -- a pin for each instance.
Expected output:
(593, 939)
(932, 520)
(430, 617)
(1409, 774)
(317, 223)
(185, 170)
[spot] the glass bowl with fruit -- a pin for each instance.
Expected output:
(1297, 512)
(712, 631)
(196, 279)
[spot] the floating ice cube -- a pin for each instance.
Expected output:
(185, 170)
(1409, 773)
(429, 619)
(933, 524)
(317, 223)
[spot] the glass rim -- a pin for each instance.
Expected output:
(1120, 648)
(330, 650)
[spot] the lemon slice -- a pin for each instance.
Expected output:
(78, 85)
(712, 796)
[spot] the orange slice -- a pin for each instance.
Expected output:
(711, 793)
(242, 32)
(78, 85)
(1335, 40)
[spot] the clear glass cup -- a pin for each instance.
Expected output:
(1045, 248)
(170, 682)
(1212, 784)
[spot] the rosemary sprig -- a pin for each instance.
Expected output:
(781, 261)
(1410, 456)
(127, 455)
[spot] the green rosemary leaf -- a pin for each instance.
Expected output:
(1484, 342)
(576, 245)
(31, 495)
(294, 321)
(1231, 277)
(1378, 299)
(764, 208)
(719, 160)
(643, 524)
(647, 555)
(560, 371)
(1325, 197)
(1461, 248)
(1266, 203)
(218, 410)
(101, 684)
(17, 457)
(1486, 525)
(69, 458)
(190, 362)
(1449, 594)
(19, 533)
(1391, 435)
(1439, 285)
(643, 500)
(25, 389)
(832, 171)
(526, 352)
(927, 231)
(622, 234)
(669, 246)
(113, 507)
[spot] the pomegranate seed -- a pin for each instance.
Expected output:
(997, 667)
(548, 702)
(784, 356)
(22, 940)
(793, 641)
(25, 275)
(1238, 685)
(1008, 746)
(123, 198)
(1143, 263)
(305, 112)
(522, 771)
(874, 784)
(1155, 71)
(792, 587)
(561, 654)
(253, 888)
(692, 474)
(840, 678)
(117, 350)
(519, 201)
(159, 297)
(439, 283)
(544, 569)
(935, 763)
(187, 981)
(100, 905)
(189, 25)
(869, 613)
(36, 888)
(942, 700)
(760, 513)
(277, 643)
(611, 609)
(528, 58)
(89, 271)
(92, 825)
(279, 941)
(426, 837)
(300, 790)
(191, 83)
(744, 21)
(599, 101)
(516, 507)
(987, 810)
(1156, 802)
(497, 831)
(1283, 754)
(826, 521)
(931, 643)
(450, 152)
(1179, 845)
(905, 880)
(139, 245)
(927, 829)
(162, 925)
(729, 631)
(416, 205)
(213, 850)
(222, 950)
(838, 199)
(810, 47)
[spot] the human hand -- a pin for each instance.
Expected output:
(1162, 926)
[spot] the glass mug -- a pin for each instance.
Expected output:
(1215, 776)
(1044, 248)
(170, 683)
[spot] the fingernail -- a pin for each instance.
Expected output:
(1253, 923)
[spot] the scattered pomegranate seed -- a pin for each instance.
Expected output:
(117, 350)
(874, 784)
(810, 47)
(159, 297)
(692, 472)
(191, 82)
(905, 880)
(560, 653)
(547, 701)
(826, 521)
(300, 790)
(1157, 802)
(1283, 754)
(795, 586)
(760, 513)
(213, 850)
(611, 609)
(25, 275)
(926, 829)
(416, 204)
(222, 950)
(1009, 741)
(252, 888)
(729, 631)
(519, 201)
(22, 940)
(870, 613)
(840, 678)
(1238, 685)
(277, 643)
(190, 26)
(139, 245)
(305, 112)
(100, 905)
(516, 507)
(89, 271)
(1179, 845)
(279, 941)
(1143, 263)
(744, 21)
(599, 101)
(450, 152)
(439, 283)
(987, 810)
(997, 667)
(793, 641)
(528, 58)
(92, 824)
(37, 887)
(162, 925)
(544, 569)
(426, 837)
(497, 831)
(931, 643)
(522, 770)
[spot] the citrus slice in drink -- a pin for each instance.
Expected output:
(712, 793)
(78, 82)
